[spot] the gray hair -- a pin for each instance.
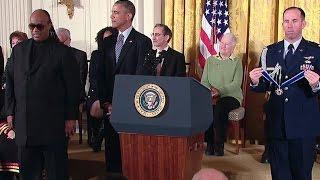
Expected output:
(64, 31)
(232, 37)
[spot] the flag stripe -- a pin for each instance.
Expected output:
(202, 61)
(206, 42)
(214, 24)
(206, 27)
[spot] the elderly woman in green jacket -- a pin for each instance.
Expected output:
(222, 74)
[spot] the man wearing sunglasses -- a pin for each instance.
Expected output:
(81, 57)
(42, 98)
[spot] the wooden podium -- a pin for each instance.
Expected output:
(168, 146)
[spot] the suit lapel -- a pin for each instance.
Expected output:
(29, 53)
(40, 60)
(111, 43)
(279, 56)
(127, 45)
(165, 64)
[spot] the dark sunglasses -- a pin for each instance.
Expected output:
(40, 27)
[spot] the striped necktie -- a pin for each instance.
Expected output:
(119, 45)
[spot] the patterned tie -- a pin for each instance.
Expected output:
(161, 59)
(289, 56)
(119, 45)
(158, 69)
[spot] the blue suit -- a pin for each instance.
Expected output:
(292, 117)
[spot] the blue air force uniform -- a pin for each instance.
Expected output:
(293, 117)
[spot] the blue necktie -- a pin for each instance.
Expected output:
(119, 45)
(289, 56)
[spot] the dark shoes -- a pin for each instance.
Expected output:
(264, 158)
(215, 150)
(219, 149)
(209, 150)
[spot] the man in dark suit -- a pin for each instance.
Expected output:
(81, 57)
(1, 75)
(1, 62)
(292, 110)
(163, 61)
(122, 55)
(42, 98)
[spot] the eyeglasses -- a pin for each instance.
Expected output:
(156, 34)
(40, 27)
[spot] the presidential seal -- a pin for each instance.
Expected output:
(149, 100)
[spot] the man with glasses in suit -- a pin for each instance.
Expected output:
(163, 60)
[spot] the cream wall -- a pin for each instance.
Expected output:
(14, 15)
(89, 17)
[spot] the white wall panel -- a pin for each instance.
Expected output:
(89, 17)
(14, 15)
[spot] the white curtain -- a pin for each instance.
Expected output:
(14, 15)
(89, 17)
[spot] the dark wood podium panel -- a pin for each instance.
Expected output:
(147, 157)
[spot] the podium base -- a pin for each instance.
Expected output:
(147, 157)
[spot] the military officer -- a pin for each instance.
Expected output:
(292, 111)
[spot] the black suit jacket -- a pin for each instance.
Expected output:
(81, 58)
(43, 96)
(132, 56)
(96, 57)
(1, 75)
(173, 64)
(1, 62)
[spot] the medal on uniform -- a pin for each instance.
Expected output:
(268, 77)
(279, 91)
(288, 82)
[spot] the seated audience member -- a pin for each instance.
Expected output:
(1, 62)
(95, 120)
(209, 174)
(163, 60)
(222, 74)
(14, 38)
(1, 75)
(9, 166)
(81, 57)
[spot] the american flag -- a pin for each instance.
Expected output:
(215, 23)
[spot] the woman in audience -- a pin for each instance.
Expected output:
(8, 150)
(93, 105)
(15, 38)
(222, 74)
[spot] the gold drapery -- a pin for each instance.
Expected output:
(184, 19)
(256, 23)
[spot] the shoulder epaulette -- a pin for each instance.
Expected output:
(314, 44)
